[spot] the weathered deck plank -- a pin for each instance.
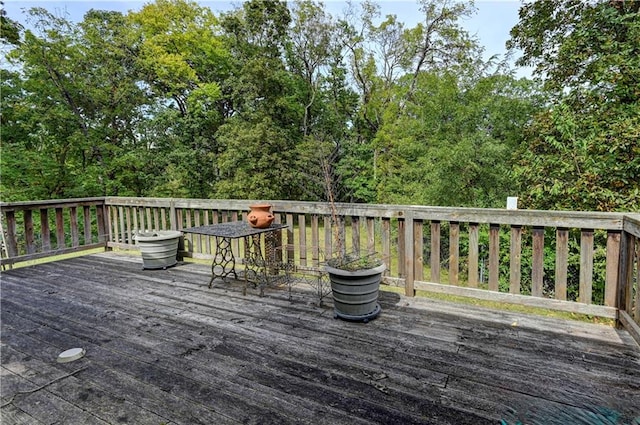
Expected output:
(163, 348)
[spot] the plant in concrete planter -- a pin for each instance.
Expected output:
(355, 290)
(355, 261)
(355, 277)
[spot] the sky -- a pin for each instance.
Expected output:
(491, 24)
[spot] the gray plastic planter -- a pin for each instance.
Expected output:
(159, 249)
(355, 293)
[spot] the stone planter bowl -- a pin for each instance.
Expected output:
(159, 249)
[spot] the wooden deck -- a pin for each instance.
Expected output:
(162, 348)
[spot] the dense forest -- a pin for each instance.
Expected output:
(267, 100)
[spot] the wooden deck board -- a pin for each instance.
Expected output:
(164, 348)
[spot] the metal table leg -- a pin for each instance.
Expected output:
(223, 258)
(255, 263)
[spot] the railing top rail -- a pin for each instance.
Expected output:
(568, 219)
(541, 218)
(632, 224)
(629, 222)
(50, 203)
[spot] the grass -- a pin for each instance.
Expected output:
(495, 305)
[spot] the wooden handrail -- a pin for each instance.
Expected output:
(40, 229)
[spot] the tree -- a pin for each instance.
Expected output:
(259, 137)
(452, 143)
(315, 58)
(77, 106)
(582, 153)
(387, 63)
(172, 100)
(311, 50)
(9, 29)
(58, 127)
(184, 62)
(110, 78)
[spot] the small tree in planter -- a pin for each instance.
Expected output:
(355, 278)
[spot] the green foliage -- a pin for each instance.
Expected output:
(174, 100)
(583, 162)
(254, 160)
(460, 137)
(582, 153)
(74, 115)
(9, 29)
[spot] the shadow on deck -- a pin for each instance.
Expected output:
(162, 348)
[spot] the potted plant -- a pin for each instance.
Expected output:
(355, 277)
(355, 283)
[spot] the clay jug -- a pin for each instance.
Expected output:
(260, 216)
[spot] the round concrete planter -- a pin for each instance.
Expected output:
(355, 293)
(159, 249)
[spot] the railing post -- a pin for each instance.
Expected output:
(586, 266)
(172, 215)
(408, 254)
(328, 238)
(418, 249)
(473, 255)
(435, 251)
(402, 226)
(28, 231)
(454, 253)
(624, 290)
(612, 269)
(291, 243)
(315, 240)
(73, 222)
(515, 259)
(635, 312)
(494, 256)
(102, 217)
(562, 263)
(386, 244)
(44, 229)
(60, 242)
(12, 239)
(537, 262)
(302, 238)
(355, 235)
(86, 216)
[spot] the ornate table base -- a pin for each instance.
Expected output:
(260, 269)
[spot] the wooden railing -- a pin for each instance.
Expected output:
(33, 230)
(629, 288)
(579, 262)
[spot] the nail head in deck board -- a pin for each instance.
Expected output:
(250, 358)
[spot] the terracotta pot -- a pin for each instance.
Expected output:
(260, 216)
